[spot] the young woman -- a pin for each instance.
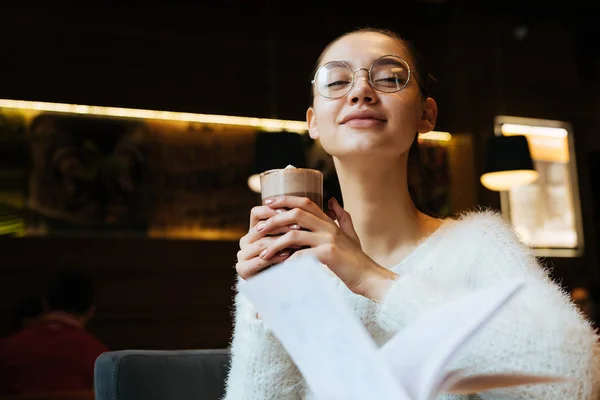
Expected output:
(392, 261)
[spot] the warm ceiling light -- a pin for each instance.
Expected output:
(517, 129)
(435, 136)
(266, 124)
(506, 180)
(262, 123)
(508, 163)
(254, 183)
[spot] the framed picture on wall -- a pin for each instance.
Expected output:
(546, 213)
(77, 174)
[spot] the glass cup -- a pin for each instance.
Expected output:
(301, 182)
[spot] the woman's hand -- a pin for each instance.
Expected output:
(338, 247)
(254, 242)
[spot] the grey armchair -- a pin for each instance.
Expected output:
(161, 375)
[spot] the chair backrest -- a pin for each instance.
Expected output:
(161, 375)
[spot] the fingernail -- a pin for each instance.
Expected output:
(279, 211)
(263, 253)
(330, 202)
(283, 254)
(269, 201)
(294, 226)
(260, 227)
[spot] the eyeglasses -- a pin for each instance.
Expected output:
(387, 74)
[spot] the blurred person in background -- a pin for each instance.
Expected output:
(27, 311)
(54, 352)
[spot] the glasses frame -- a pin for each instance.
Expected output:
(313, 82)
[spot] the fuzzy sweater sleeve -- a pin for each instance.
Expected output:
(260, 368)
(539, 331)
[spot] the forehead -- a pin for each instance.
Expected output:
(363, 48)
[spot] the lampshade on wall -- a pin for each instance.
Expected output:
(508, 163)
(275, 150)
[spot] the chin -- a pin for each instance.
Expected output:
(350, 142)
(375, 141)
(370, 149)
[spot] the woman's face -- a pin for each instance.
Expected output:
(366, 121)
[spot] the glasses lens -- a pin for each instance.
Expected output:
(334, 79)
(390, 74)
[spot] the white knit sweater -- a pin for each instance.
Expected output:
(540, 331)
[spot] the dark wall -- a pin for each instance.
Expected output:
(150, 293)
(237, 57)
(255, 59)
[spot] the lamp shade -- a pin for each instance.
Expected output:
(508, 163)
(275, 150)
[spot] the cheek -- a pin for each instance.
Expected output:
(404, 104)
(406, 113)
(327, 108)
(326, 114)
(405, 116)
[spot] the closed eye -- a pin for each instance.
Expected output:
(395, 80)
(337, 83)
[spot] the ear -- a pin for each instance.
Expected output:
(311, 119)
(428, 116)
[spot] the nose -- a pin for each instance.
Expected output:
(362, 91)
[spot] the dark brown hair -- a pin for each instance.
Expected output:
(419, 183)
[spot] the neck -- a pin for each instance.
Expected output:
(65, 318)
(384, 216)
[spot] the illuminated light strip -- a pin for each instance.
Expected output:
(515, 129)
(11, 227)
(435, 135)
(266, 124)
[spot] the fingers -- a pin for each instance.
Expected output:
(338, 211)
(254, 234)
(281, 230)
(260, 248)
(261, 213)
(249, 268)
(252, 250)
(292, 239)
(321, 253)
(284, 214)
(302, 203)
(331, 214)
(295, 219)
(343, 218)
(302, 253)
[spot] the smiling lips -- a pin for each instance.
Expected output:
(363, 119)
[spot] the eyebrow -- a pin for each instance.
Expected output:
(338, 61)
(385, 61)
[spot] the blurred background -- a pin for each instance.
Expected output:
(118, 156)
